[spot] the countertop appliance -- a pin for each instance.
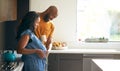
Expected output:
(9, 56)
(11, 63)
(11, 66)
(8, 66)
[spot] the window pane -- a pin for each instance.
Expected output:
(98, 18)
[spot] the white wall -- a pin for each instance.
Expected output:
(65, 23)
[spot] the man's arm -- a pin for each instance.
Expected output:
(49, 40)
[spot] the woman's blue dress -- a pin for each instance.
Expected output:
(32, 62)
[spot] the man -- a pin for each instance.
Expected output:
(46, 27)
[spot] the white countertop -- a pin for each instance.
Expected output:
(87, 51)
(108, 64)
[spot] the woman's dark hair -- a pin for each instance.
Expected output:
(27, 23)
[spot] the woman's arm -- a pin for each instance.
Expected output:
(23, 43)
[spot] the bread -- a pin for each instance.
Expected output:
(58, 45)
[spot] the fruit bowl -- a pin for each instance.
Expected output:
(59, 48)
(59, 45)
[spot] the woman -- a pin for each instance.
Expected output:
(32, 50)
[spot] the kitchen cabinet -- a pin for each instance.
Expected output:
(13, 9)
(8, 10)
(53, 62)
(8, 24)
(22, 8)
(65, 62)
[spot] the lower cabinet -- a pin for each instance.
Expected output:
(76, 62)
(65, 62)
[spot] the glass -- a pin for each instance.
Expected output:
(98, 18)
(43, 38)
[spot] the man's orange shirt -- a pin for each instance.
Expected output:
(44, 28)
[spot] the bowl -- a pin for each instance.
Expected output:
(59, 48)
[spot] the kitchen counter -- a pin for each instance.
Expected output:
(107, 64)
(87, 51)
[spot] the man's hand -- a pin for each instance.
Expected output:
(49, 41)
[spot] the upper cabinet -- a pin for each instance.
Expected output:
(8, 10)
(13, 9)
(22, 8)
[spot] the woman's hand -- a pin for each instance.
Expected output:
(41, 53)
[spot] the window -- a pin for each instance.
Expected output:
(98, 18)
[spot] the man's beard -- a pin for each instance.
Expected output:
(46, 18)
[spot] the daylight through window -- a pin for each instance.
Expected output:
(98, 19)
